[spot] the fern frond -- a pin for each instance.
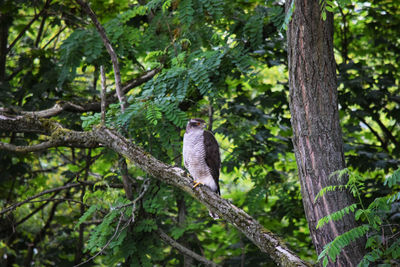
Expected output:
(86, 215)
(214, 7)
(329, 188)
(372, 256)
(333, 248)
(175, 115)
(185, 12)
(253, 29)
(339, 174)
(153, 113)
(395, 197)
(277, 14)
(100, 234)
(393, 179)
(336, 216)
(134, 11)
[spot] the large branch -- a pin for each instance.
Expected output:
(264, 239)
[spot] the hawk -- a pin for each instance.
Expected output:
(201, 156)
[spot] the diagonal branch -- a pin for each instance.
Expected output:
(383, 142)
(110, 50)
(54, 37)
(140, 80)
(46, 5)
(183, 249)
(264, 239)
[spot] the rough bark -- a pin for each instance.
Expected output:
(102, 136)
(317, 136)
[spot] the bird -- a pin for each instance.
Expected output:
(201, 156)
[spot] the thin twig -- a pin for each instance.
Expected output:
(41, 27)
(143, 190)
(140, 80)
(58, 199)
(166, 238)
(46, 5)
(54, 37)
(48, 191)
(103, 95)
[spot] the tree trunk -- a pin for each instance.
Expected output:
(317, 136)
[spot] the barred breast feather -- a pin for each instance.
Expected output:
(195, 158)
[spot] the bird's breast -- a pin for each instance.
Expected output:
(194, 156)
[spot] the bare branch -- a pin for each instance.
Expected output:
(25, 149)
(64, 106)
(183, 249)
(110, 51)
(54, 37)
(41, 27)
(16, 205)
(95, 106)
(140, 80)
(59, 136)
(46, 5)
(43, 146)
(103, 95)
(58, 199)
(383, 143)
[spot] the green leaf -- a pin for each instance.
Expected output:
(325, 261)
(86, 215)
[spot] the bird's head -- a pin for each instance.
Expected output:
(195, 124)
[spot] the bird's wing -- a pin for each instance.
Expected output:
(213, 158)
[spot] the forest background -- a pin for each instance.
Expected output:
(223, 61)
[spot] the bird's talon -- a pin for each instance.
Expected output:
(196, 184)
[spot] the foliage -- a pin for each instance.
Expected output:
(331, 6)
(227, 58)
(379, 223)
